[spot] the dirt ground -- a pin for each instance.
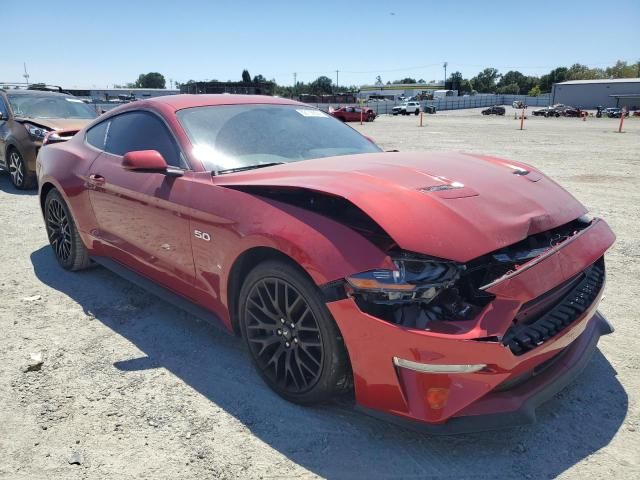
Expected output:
(130, 387)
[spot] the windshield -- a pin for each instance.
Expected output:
(50, 106)
(233, 137)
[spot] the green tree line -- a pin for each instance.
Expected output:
(489, 80)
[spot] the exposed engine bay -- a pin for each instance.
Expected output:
(448, 291)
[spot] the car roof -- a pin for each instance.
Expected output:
(41, 93)
(178, 102)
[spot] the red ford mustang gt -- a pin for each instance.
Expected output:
(448, 291)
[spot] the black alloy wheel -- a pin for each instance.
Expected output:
(63, 235)
(291, 336)
(58, 230)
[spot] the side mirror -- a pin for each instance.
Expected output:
(150, 161)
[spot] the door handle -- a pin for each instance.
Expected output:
(95, 179)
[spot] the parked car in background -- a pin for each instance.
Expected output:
(429, 109)
(572, 111)
(518, 104)
(353, 114)
(345, 269)
(616, 112)
(546, 112)
(26, 117)
(406, 108)
(495, 110)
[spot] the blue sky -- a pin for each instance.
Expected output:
(98, 43)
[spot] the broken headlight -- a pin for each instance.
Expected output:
(36, 132)
(418, 291)
(413, 278)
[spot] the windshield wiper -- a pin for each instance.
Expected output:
(247, 167)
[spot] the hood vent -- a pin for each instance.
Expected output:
(439, 188)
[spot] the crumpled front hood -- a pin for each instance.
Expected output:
(448, 205)
(58, 124)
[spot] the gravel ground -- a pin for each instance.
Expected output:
(130, 387)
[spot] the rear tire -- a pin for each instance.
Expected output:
(21, 178)
(63, 235)
(292, 338)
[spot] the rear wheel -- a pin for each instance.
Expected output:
(63, 235)
(292, 338)
(21, 178)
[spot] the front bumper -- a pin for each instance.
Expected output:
(477, 400)
(517, 406)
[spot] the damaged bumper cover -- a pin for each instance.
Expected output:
(471, 377)
(518, 404)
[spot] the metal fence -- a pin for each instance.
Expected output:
(447, 103)
(456, 103)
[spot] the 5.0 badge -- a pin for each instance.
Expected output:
(202, 235)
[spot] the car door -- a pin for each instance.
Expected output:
(142, 216)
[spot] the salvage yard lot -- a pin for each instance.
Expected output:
(139, 389)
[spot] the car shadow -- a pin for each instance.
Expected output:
(7, 187)
(336, 441)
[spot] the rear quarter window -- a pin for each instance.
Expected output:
(96, 135)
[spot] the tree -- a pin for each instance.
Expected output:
(524, 82)
(485, 81)
(321, 86)
(379, 80)
(150, 80)
(246, 76)
(465, 87)
(422, 80)
(556, 75)
(259, 79)
(511, 89)
(535, 91)
(404, 80)
(454, 82)
(578, 71)
(622, 70)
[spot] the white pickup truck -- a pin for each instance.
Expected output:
(406, 108)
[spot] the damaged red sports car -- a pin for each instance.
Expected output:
(448, 291)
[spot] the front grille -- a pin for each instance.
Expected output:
(549, 320)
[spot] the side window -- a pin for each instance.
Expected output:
(96, 135)
(141, 131)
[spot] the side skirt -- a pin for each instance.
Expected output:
(161, 292)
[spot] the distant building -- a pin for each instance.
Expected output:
(618, 92)
(99, 95)
(393, 91)
(242, 88)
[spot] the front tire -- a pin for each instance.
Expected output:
(292, 338)
(63, 235)
(21, 178)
